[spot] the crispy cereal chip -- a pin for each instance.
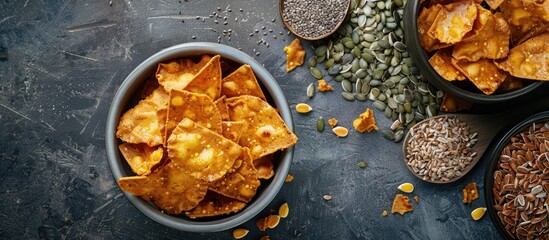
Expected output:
(141, 157)
(242, 183)
(483, 73)
(491, 42)
(494, 3)
(332, 122)
(453, 21)
(510, 83)
(144, 123)
(442, 63)
(265, 132)
(324, 86)
(365, 122)
(401, 205)
(424, 22)
(526, 18)
(241, 82)
(264, 167)
(178, 73)
(206, 154)
(170, 188)
(295, 54)
(232, 130)
(208, 80)
(529, 59)
(215, 204)
(222, 107)
(470, 193)
(197, 107)
(160, 98)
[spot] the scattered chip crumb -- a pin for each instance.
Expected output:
(262, 223)
(416, 198)
(324, 86)
(470, 193)
(365, 122)
(289, 178)
(332, 122)
(327, 197)
(384, 213)
(266, 237)
(295, 54)
(401, 205)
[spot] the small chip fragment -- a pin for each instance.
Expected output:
(289, 178)
(416, 198)
(401, 205)
(303, 108)
(324, 86)
(283, 210)
(141, 158)
(240, 233)
(332, 122)
(478, 213)
(265, 238)
(270, 221)
(340, 131)
(384, 213)
(470, 193)
(295, 55)
(264, 167)
(365, 122)
(442, 63)
(215, 204)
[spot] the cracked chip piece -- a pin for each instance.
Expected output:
(484, 74)
(171, 188)
(178, 73)
(141, 158)
(453, 21)
(207, 80)
(241, 183)
(441, 61)
(265, 131)
(206, 154)
(529, 60)
(401, 205)
(295, 55)
(215, 204)
(241, 82)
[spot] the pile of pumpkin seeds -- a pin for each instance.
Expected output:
(368, 57)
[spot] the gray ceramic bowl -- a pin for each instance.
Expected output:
(467, 92)
(126, 95)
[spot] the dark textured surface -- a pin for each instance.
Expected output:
(61, 63)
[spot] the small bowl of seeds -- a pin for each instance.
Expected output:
(517, 179)
(311, 19)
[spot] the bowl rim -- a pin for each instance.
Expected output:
(420, 58)
(137, 77)
(492, 156)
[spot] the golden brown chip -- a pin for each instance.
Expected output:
(424, 22)
(197, 107)
(215, 204)
(483, 73)
(323, 86)
(242, 183)
(365, 122)
(170, 188)
(222, 107)
(401, 205)
(444, 2)
(159, 97)
(451, 103)
(232, 130)
(208, 80)
(494, 4)
(526, 18)
(295, 54)
(206, 154)
(470, 193)
(453, 21)
(144, 123)
(178, 73)
(441, 61)
(529, 59)
(241, 82)
(141, 158)
(510, 83)
(491, 42)
(264, 167)
(265, 131)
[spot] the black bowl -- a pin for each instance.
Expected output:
(492, 155)
(468, 93)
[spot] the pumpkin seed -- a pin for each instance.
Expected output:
(388, 112)
(365, 89)
(320, 124)
(348, 96)
(375, 83)
(321, 50)
(328, 64)
(399, 46)
(316, 73)
(347, 86)
(360, 97)
(347, 58)
(334, 70)
(311, 90)
(379, 105)
(388, 134)
(346, 68)
(361, 20)
(399, 135)
(312, 62)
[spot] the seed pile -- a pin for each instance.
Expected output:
(368, 56)
(311, 18)
(440, 149)
(521, 184)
